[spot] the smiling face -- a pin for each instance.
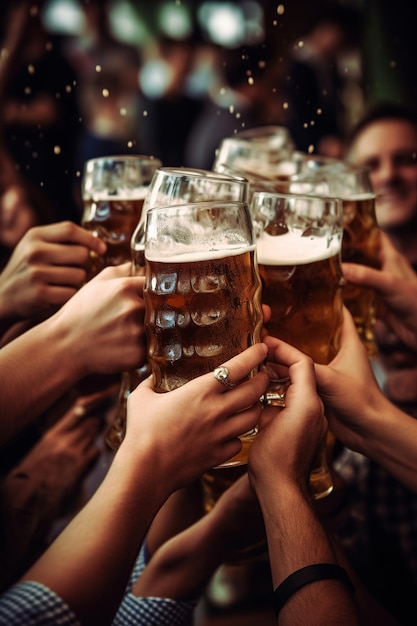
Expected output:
(389, 148)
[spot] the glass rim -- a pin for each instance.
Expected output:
(192, 172)
(286, 196)
(123, 157)
(204, 204)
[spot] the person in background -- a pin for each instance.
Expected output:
(243, 94)
(314, 89)
(381, 536)
(21, 208)
(169, 101)
(39, 113)
(107, 93)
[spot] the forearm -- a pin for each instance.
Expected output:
(172, 571)
(296, 539)
(89, 564)
(7, 315)
(388, 436)
(35, 369)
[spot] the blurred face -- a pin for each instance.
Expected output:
(16, 216)
(389, 149)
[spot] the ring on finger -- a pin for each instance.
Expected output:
(221, 374)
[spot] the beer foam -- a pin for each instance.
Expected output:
(194, 256)
(292, 249)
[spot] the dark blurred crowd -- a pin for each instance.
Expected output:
(68, 98)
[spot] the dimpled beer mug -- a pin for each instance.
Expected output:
(179, 185)
(202, 293)
(361, 235)
(169, 186)
(299, 240)
(255, 151)
(113, 192)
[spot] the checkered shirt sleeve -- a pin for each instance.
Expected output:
(151, 611)
(32, 604)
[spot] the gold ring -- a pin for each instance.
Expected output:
(221, 374)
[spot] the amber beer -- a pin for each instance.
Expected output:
(302, 283)
(113, 220)
(201, 310)
(113, 190)
(361, 243)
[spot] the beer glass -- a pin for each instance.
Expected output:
(202, 293)
(179, 185)
(299, 241)
(304, 173)
(169, 186)
(254, 153)
(361, 235)
(113, 192)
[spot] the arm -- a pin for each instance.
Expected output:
(182, 567)
(360, 415)
(98, 331)
(279, 462)
(89, 564)
(46, 268)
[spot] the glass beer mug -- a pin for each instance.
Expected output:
(113, 192)
(202, 293)
(299, 242)
(169, 186)
(361, 235)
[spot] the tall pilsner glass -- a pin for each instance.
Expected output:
(299, 241)
(169, 186)
(202, 293)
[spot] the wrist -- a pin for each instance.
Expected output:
(276, 487)
(71, 346)
(139, 458)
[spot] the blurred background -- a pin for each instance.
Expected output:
(170, 78)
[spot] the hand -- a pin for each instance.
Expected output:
(288, 438)
(46, 268)
(102, 324)
(196, 427)
(348, 386)
(396, 287)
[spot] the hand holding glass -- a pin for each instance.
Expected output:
(299, 241)
(202, 292)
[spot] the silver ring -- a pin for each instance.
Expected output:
(221, 374)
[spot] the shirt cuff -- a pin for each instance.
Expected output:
(33, 604)
(152, 611)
